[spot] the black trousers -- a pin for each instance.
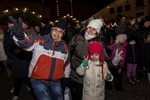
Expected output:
(117, 78)
(18, 83)
(76, 90)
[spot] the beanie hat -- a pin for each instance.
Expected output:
(121, 38)
(95, 47)
(146, 18)
(60, 25)
(96, 23)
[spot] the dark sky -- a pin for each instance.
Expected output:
(101, 2)
(84, 8)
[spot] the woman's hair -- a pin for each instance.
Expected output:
(1, 31)
(128, 20)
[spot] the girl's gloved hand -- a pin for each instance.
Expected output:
(85, 62)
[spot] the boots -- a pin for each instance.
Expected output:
(135, 80)
(131, 81)
(15, 98)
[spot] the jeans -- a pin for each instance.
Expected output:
(47, 90)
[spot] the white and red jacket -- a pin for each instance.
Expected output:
(50, 59)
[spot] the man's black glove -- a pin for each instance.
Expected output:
(17, 28)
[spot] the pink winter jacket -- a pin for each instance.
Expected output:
(123, 48)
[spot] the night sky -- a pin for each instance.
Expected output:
(82, 9)
(103, 3)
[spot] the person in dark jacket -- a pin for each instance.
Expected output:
(143, 31)
(19, 60)
(79, 47)
(69, 32)
(132, 60)
(121, 25)
(132, 50)
(147, 55)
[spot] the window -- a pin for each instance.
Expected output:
(112, 11)
(119, 9)
(127, 7)
(139, 3)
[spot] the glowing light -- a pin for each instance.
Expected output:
(16, 9)
(25, 9)
(77, 21)
(71, 7)
(74, 18)
(6, 11)
(33, 12)
(57, 6)
(56, 21)
(39, 16)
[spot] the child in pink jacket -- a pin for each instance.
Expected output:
(119, 48)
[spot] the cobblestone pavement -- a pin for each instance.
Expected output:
(140, 91)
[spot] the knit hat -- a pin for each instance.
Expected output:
(96, 23)
(121, 37)
(60, 25)
(95, 47)
(146, 18)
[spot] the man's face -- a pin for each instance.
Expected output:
(24, 26)
(57, 34)
(147, 24)
(123, 19)
(91, 31)
(78, 26)
(133, 21)
(37, 28)
(108, 26)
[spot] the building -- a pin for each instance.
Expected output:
(53, 9)
(133, 8)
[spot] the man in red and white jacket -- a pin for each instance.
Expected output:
(50, 59)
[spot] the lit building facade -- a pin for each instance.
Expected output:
(133, 8)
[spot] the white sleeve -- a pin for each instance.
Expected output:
(67, 71)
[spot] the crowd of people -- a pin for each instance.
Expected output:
(85, 57)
